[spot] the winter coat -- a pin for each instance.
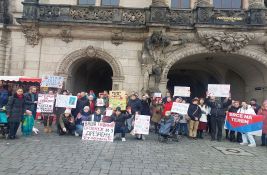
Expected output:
(218, 108)
(167, 107)
(233, 109)
(256, 108)
(263, 112)
(81, 103)
(157, 111)
(249, 110)
(194, 111)
(145, 109)
(205, 110)
(92, 106)
(95, 118)
(120, 120)
(30, 98)
(135, 105)
(81, 117)
(15, 108)
(65, 120)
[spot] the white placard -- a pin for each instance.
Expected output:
(98, 131)
(100, 102)
(109, 112)
(180, 108)
(182, 91)
(66, 101)
(141, 124)
(45, 103)
(157, 95)
(219, 90)
(52, 81)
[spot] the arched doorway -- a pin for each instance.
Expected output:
(94, 74)
(196, 67)
(91, 68)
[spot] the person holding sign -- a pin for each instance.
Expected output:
(96, 116)
(81, 117)
(48, 118)
(217, 114)
(119, 120)
(81, 103)
(31, 99)
(205, 110)
(66, 123)
(194, 112)
(247, 109)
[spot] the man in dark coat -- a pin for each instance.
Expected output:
(15, 110)
(145, 108)
(81, 103)
(135, 104)
(234, 108)
(218, 112)
(31, 99)
(254, 105)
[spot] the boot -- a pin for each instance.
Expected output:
(201, 135)
(46, 129)
(198, 134)
(49, 129)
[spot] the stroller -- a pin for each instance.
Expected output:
(3, 123)
(168, 128)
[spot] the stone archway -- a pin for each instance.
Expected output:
(253, 56)
(90, 53)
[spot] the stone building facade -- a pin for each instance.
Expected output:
(137, 45)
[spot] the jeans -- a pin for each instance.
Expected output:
(120, 129)
(183, 128)
(13, 128)
(216, 125)
(79, 129)
(193, 126)
(264, 139)
(248, 137)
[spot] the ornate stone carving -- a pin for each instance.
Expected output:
(256, 4)
(176, 17)
(91, 51)
(117, 37)
(204, 14)
(225, 41)
(66, 35)
(32, 34)
(159, 3)
(203, 3)
(133, 16)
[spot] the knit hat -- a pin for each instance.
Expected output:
(118, 109)
(67, 111)
(86, 107)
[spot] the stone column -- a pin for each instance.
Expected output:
(163, 86)
(245, 4)
(3, 44)
(98, 3)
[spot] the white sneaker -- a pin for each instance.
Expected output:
(123, 139)
(252, 145)
(243, 143)
(76, 134)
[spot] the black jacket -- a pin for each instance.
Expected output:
(120, 120)
(29, 101)
(15, 108)
(135, 105)
(81, 103)
(194, 111)
(218, 108)
(233, 109)
(145, 109)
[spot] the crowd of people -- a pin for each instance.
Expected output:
(205, 116)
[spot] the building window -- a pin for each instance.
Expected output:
(227, 4)
(86, 2)
(110, 2)
(180, 4)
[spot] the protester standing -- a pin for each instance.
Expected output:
(247, 137)
(167, 106)
(15, 110)
(91, 103)
(234, 108)
(205, 110)
(48, 118)
(254, 105)
(194, 112)
(263, 112)
(156, 112)
(81, 103)
(31, 100)
(145, 107)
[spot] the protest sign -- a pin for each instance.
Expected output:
(98, 131)
(244, 123)
(100, 102)
(182, 91)
(141, 124)
(219, 90)
(109, 112)
(66, 101)
(52, 81)
(45, 103)
(117, 99)
(180, 108)
(157, 95)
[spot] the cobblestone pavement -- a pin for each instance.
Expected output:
(53, 154)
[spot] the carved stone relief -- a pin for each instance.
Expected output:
(32, 34)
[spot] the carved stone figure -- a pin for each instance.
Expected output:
(225, 41)
(32, 35)
(66, 35)
(117, 37)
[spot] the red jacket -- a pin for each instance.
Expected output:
(264, 113)
(167, 107)
(92, 106)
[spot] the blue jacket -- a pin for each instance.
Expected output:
(135, 105)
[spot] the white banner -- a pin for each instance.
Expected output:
(180, 108)
(219, 90)
(141, 124)
(66, 101)
(100, 102)
(98, 131)
(157, 95)
(181, 91)
(45, 103)
(52, 81)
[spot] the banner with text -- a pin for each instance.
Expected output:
(66, 101)
(180, 108)
(219, 90)
(45, 103)
(182, 91)
(117, 99)
(98, 131)
(141, 124)
(52, 81)
(244, 123)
